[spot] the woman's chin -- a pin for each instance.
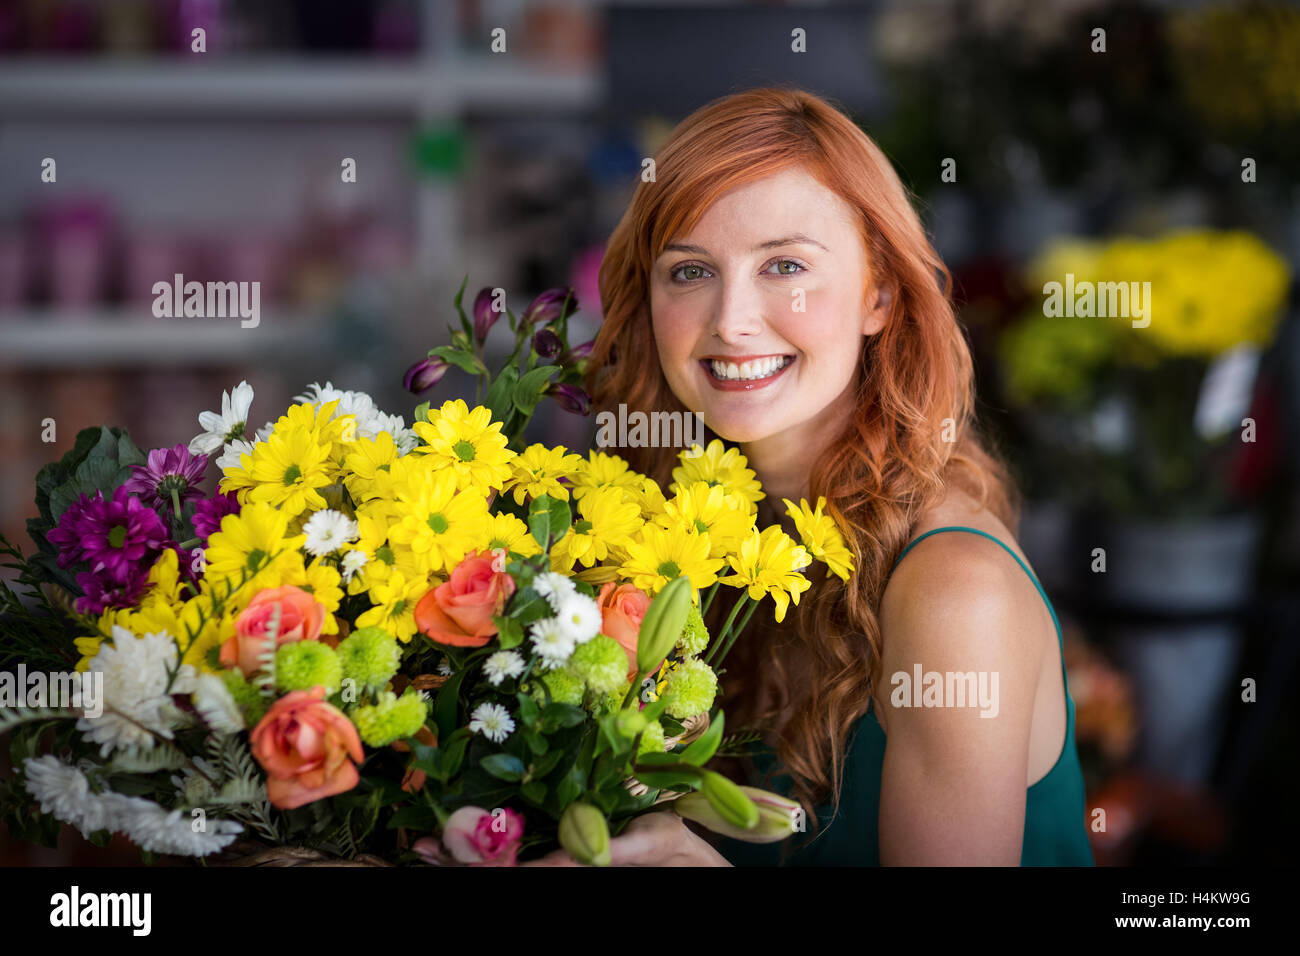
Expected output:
(740, 429)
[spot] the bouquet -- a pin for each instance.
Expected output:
(401, 644)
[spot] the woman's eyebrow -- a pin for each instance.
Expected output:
(797, 239)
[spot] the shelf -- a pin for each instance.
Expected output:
(279, 86)
(120, 339)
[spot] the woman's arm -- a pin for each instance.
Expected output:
(953, 782)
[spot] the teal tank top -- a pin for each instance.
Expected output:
(1055, 814)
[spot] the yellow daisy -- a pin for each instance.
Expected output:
(769, 564)
(538, 470)
(658, 555)
(469, 444)
(245, 539)
(367, 467)
(509, 532)
(395, 599)
(710, 510)
(605, 521)
(286, 471)
(820, 536)
(719, 465)
(600, 470)
(439, 525)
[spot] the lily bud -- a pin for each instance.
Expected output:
(585, 834)
(547, 344)
(776, 815)
(551, 305)
(424, 374)
(485, 316)
(661, 627)
(571, 398)
(630, 722)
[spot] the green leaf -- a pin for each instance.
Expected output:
(422, 412)
(701, 750)
(667, 779)
(446, 707)
(499, 393)
(557, 715)
(503, 766)
(534, 791)
(561, 517)
(460, 296)
(416, 816)
(465, 361)
(454, 751)
(539, 520)
(536, 742)
(510, 633)
(528, 710)
(528, 392)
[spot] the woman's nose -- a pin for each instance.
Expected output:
(738, 315)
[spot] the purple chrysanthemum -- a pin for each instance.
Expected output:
(104, 591)
(209, 512)
(170, 477)
(118, 535)
(67, 537)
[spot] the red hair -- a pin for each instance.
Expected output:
(911, 435)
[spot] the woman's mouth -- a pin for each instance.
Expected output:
(745, 373)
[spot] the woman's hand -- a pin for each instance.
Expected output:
(660, 838)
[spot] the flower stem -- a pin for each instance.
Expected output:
(731, 639)
(726, 628)
(708, 598)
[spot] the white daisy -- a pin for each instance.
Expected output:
(230, 455)
(552, 641)
(352, 562)
(327, 531)
(579, 615)
(492, 721)
(64, 792)
(216, 705)
(501, 665)
(554, 587)
(227, 425)
(265, 431)
(137, 696)
(160, 830)
(444, 667)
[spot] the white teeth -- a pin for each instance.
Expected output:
(748, 371)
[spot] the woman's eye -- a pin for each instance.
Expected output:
(678, 274)
(798, 267)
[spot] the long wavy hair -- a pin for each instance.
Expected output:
(912, 433)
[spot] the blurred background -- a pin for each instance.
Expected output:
(1159, 471)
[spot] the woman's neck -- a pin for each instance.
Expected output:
(783, 462)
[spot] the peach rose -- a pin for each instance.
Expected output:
(621, 609)
(460, 611)
(307, 748)
(301, 617)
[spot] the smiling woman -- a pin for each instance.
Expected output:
(781, 278)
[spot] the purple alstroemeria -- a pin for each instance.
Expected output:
(209, 512)
(424, 374)
(118, 535)
(103, 590)
(485, 316)
(550, 306)
(571, 398)
(547, 344)
(171, 476)
(579, 352)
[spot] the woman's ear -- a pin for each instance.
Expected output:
(874, 320)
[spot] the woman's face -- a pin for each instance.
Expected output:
(759, 314)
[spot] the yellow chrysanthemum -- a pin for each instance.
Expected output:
(820, 536)
(606, 520)
(658, 555)
(469, 444)
(650, 498)
(336, 435)
(538, 470)
(286, 471)
(718, 465)
(509, 532)
(439, 524)
(395, 599)
(709, 509)
(600, 470)
(769, 563)
(245, 539)
(367, 467)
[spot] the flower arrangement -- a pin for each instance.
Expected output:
(411, 643)
(1138, 403)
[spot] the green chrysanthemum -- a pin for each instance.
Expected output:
(601, 663)
(247, 697)
(695, 636)
(652, 739)
(565, 686)
(601, 704)
(691, 689)
(369, 656)
(304, 664)
(392, 718)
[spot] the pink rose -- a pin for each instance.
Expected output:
(460, 611)
(476, 837)
(301, 617)
(308, 749)
(622, 608)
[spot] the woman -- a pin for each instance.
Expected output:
(774, 278)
